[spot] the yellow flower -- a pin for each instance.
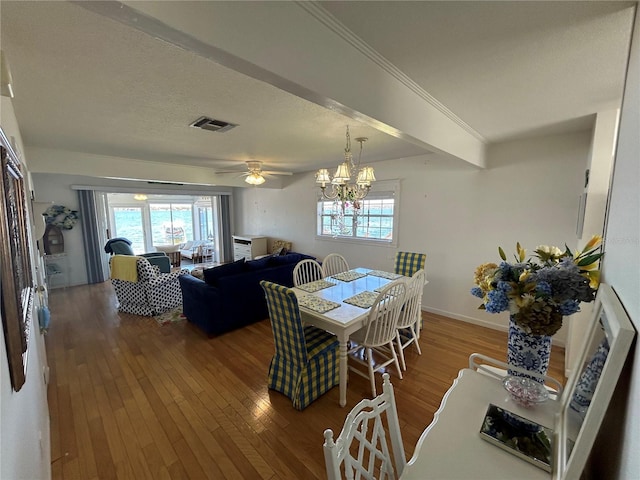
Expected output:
(594, 278)
(484, 275)
(525, 300)
(593, 243)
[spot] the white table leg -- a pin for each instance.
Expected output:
(344, 370)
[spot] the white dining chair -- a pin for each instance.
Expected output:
(378, 333)
(334, 263)
(410, 317)
(364, 426)
(307, 270)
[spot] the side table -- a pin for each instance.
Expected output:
(56, 270)
(174, 258)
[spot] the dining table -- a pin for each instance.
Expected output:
(340, 304)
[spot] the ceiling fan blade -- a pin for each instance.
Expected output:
(275, 172)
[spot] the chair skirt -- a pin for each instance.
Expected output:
(305, 383)
(145, 299)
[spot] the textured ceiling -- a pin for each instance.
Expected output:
(86, 83)
(505, 68)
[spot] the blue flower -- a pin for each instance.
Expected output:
(497, 301)
(539, 291)
(569, 307)
(477, 292)
(543, 288)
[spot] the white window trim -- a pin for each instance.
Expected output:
(379, 186)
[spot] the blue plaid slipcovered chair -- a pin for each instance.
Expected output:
(306, 362)
(152, 294)
(408, 263)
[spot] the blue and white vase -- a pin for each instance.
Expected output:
(527, 351)
(589, 378)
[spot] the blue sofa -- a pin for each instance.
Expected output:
(230, 295)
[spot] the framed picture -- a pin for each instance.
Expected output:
(586, 397)
(16, 284)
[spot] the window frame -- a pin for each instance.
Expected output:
(385, 189)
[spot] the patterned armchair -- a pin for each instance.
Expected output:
(306, 362)
(122, 246)
(153, 292)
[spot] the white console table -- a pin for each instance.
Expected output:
(248, 246)
(451, 447)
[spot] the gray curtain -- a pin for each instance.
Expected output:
(225, 223)
(92, 247)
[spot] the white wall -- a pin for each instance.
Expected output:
(457, 214)
(24, 417)
(600, 169)
(57, 188)
(617, 451)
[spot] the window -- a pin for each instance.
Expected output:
(162, 219)
(375, 221)
(127, 223)
(171, 223)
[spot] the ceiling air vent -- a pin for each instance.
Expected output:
(206, 123)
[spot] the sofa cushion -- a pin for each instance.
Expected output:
(211, 275)
(258, 264)
(290, 257)
(236, 299)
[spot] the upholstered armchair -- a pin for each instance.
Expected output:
(122, 246)
(143, 290)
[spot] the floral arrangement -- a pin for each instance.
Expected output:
(62, 217)
(539, 291)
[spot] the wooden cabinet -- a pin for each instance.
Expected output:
(248, 246)
(53, 240)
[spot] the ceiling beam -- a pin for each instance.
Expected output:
(300, 48)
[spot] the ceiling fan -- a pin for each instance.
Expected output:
(255, 174)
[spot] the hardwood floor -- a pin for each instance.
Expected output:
(130, 399)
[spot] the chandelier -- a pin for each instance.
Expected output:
(342, 188)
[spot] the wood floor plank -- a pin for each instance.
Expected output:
(104, 461)
(130, 399)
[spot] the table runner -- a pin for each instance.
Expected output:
(348, 276)
(315, 286)
(363, 299)
(383, 274)
(317, 304)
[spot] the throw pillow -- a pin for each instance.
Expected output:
(258, 264)
(286, 259)
(211, 275)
